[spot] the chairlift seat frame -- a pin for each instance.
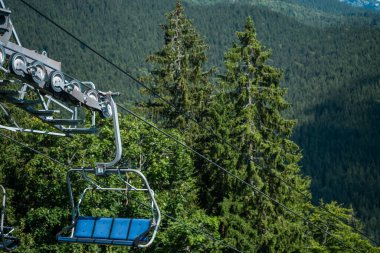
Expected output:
(117, 231)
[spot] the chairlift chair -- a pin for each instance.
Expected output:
(119, 231)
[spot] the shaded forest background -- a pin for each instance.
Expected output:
(329, 52)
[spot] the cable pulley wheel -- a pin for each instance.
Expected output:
(39, 74)
(2, 55)
(73, 85)
(106, 110)
(18, 64)
(92, 94)
(57, 81)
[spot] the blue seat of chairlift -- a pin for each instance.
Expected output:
(120, 228)
(138, 227)
(84, 227)
(103, 230)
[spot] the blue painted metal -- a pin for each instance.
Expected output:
(108, 231)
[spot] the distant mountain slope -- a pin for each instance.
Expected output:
(310, 12)
(369, 4)
(329, 51)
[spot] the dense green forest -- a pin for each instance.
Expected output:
(329, 54)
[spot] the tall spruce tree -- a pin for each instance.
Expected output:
(263, 155)
(179, 74)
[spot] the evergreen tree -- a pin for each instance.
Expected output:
(179, 74)
(336, 229)
(216, 145)
(264, 155)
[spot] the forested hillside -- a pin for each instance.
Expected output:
(369, 4)
(329, 53)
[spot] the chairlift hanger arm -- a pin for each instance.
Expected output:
(102, 167)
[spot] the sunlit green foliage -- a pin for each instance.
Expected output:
(330, 69)
(39, 202)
